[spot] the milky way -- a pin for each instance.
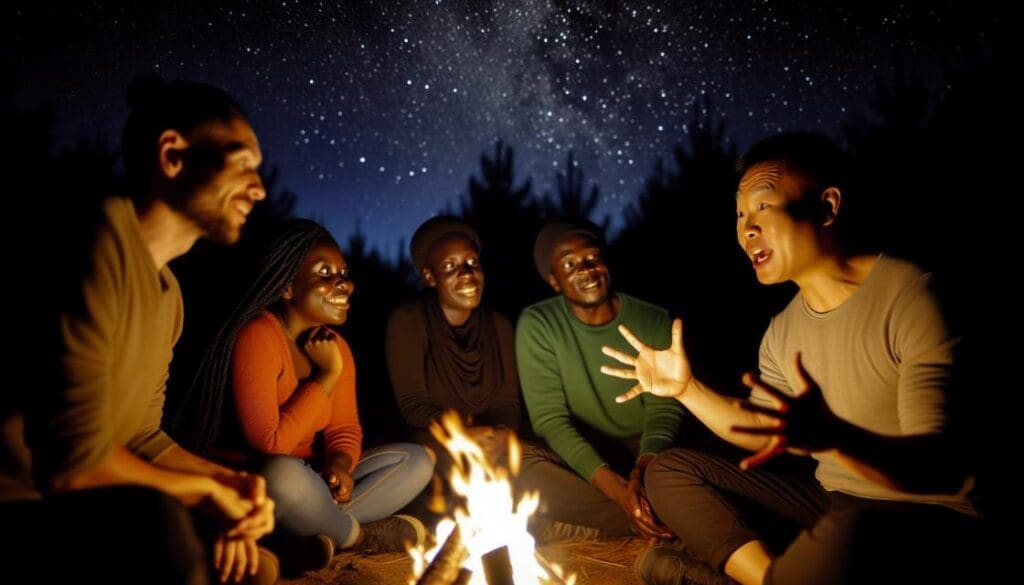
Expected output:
(376, 113)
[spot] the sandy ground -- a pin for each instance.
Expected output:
(607, 562)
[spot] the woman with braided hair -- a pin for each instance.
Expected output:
(274, 378)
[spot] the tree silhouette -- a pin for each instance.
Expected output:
(381, 285)
(681, 230)
(508, 220)
(570, 202)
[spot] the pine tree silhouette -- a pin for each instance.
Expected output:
(507, 219)
(570, 203)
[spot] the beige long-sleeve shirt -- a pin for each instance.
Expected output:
(883, 360)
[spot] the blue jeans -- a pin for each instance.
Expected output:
(386, 479)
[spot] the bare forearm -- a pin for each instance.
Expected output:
(609, 483)
(720, 414)
(122, 467)
(178, 459)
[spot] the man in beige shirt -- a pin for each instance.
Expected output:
(856, 372)
(114, 486)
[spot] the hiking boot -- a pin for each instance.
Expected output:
(395, 533)
(676, 565)
(300, 554)
(547, 531)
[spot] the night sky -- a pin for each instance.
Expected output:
(377, 112)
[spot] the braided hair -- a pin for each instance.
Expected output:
(198, 421)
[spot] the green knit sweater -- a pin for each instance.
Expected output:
(559, 362)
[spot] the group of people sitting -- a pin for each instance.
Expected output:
(262, 468)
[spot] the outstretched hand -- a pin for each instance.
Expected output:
(802, 423)
(661, 372)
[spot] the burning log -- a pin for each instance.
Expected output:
(491, 545)
(446, 568)
(498, 567)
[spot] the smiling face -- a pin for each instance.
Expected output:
(578, 271)
(220, 184)
(454, 271)
(777, 224)
(321, 289)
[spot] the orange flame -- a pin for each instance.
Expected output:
(491, 518)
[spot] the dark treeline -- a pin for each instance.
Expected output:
(929, 172)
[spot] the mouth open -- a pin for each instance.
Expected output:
(338, 301)
(243, 206)
(468, 291)
(759, 257)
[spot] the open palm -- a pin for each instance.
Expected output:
(662, 372)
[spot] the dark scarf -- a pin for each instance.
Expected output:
(467, 358)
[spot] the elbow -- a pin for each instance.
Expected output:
(70, 482)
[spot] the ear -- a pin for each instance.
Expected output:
(287, 294)
(554, 283)
(171, 149)
(831, 199)
(428, 276)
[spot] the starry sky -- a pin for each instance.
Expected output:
(377, 112)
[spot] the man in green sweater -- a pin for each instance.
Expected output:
(594, 477)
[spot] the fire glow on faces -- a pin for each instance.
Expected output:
(773, 228)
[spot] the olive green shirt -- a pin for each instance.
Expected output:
(117, 344)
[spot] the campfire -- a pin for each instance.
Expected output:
(485, 542)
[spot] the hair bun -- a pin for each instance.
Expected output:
(144, 88)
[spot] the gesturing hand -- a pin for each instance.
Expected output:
(662, 372)
(801, 424)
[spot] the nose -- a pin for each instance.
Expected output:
(256, 190)
(344, 284)
(467, 268)
(750, 228)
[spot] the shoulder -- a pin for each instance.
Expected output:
(637, 306)
(501, 322)
(407, 312)
(645, 319)
(346, 351)
(900, 283)
(262, 329)
(542, 315)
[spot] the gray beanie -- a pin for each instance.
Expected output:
(554, 232)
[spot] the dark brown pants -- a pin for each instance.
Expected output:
(708, 501)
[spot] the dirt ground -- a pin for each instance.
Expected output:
(606, 562)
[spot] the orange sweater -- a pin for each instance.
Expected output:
(279, 415)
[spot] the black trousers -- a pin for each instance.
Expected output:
(107, 535)
(714, 508)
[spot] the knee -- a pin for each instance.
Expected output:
(163, 522)
(421, 463)
(431, 454)
(667, 470)
(283, 475)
